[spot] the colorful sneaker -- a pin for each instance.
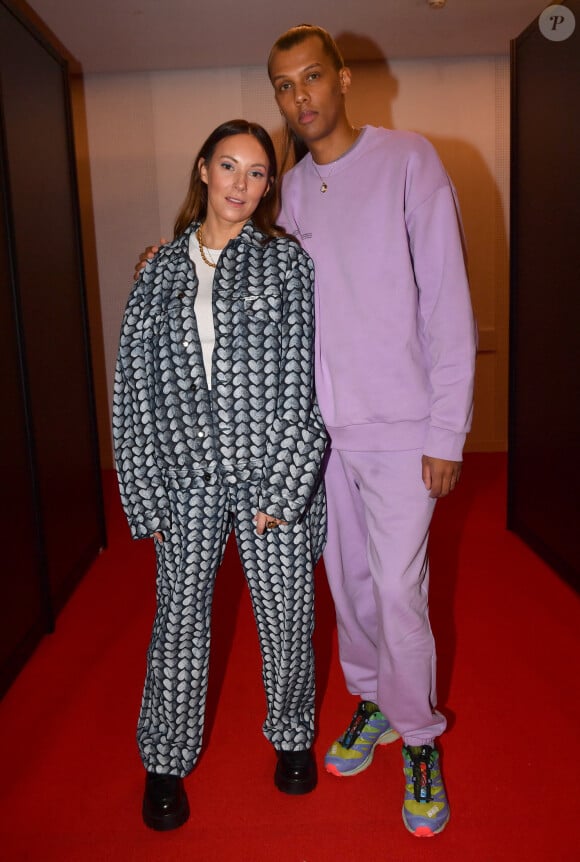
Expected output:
(353, 752)
(425, 809)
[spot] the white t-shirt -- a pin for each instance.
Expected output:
(203, 302)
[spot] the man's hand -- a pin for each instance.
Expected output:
(146, 255)
(440, 476)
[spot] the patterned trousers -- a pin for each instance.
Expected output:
(278, 567)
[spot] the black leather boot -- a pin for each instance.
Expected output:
(165, 804)
(295, 772)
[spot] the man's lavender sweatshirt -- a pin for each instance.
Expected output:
(395, 335)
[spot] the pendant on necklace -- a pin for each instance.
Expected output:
(323, 187)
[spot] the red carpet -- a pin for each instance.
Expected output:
(508, 635)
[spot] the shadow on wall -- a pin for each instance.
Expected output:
(373, 92)
(371, 74)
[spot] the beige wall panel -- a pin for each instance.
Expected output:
(258, 101)
(124, 188)
(186, 107)
(143, 132)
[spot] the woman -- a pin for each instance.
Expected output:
(216, 427)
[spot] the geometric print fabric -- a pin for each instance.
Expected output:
(193, 464)
(279, 571)
(263, 420)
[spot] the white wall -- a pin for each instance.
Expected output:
(143, 131)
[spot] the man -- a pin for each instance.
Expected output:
(395, 357)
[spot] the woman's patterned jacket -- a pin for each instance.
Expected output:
(261, 422)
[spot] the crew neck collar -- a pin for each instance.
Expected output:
(344, 155)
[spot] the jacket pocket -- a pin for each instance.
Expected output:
(263, 308)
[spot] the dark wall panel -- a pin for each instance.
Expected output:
(544, 470)
(49, 351)
(24, 610)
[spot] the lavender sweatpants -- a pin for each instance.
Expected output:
(379, 513)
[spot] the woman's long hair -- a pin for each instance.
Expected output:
(294, 147)
(194, 207)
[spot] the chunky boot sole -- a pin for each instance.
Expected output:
(166, 822)
(165, 804)
(293, 787)
(295, 779)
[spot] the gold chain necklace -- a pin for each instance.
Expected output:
(323, 180)
(199, 235)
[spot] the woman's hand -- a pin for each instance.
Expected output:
(265, 522)
(159, 537)
(146, 255)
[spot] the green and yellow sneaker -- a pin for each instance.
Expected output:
(353, 752)
(425, 808)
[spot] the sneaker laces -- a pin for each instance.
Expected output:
(364, 711)
(421, 760)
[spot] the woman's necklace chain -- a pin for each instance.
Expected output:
(199, 235)
(323, 180)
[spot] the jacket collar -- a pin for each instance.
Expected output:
(249, 234)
